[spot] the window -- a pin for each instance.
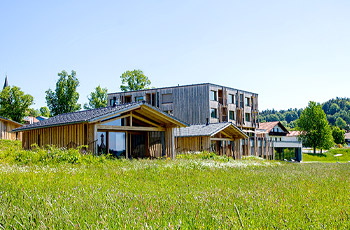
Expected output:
(140, 98)
(114, 100)
(231, 98)
(167, 98)
(247, 101)
(247, 117)
(117, 143)
(213, 113)
(119, 122)
(101, 143)
(232, 115)
(213, 95)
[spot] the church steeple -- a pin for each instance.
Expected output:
(6, 83)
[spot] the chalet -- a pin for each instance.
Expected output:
(221, 138)
(6, 126)
(282, 140)
(132, 130)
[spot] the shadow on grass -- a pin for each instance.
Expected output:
(316, 154)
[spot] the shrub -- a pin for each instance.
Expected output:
(11, 152)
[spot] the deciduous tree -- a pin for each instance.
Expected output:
(338, 135)
(97, 99)
(45, 111)
(134, 80)
(14, 103)
(314, 127)
(340, 123)
(65, 97)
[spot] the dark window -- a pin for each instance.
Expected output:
(232, 115)
(231, 98)
(213, 95)
(247, 101)
(241, 100)
(167, 98)
(247, 117)
(213, 113)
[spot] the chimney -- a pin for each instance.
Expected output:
(207, 121)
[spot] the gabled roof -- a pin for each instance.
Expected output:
(207, 130)
(4, 118)
(294, 133)
(91, 115)
(268, 126)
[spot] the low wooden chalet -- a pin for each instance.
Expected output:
(133, 130)
(6, 126)
(221, 138)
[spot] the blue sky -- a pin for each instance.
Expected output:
(289, 52)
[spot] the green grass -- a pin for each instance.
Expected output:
(329, 156)
(190, 193)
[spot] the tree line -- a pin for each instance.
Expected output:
(15, 104)
(337, 113)
(322, 125)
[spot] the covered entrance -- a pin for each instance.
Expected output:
(221, 138)
(140, 133)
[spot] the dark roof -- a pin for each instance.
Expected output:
(4, 118)
(86, 116)
(205, 130)
(268, 126)
(179, 86)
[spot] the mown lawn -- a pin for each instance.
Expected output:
(174, 194)
(330, 156)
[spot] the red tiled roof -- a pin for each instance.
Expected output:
(268, 126)
(293, 133)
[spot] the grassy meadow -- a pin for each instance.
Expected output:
(204, 192)
(333, 155)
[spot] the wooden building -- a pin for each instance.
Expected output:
(132, 130)
(195, 104)
(6, 126)
(279, 139)
(221, 138)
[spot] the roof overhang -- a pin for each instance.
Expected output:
(11, 121)
(148, 111)
(145, 109)
(232, 130)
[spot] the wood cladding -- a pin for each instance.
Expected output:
(5, 128)
(66, 136)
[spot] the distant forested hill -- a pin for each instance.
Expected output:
(337, 111)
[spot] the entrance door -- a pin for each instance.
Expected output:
(138, 145)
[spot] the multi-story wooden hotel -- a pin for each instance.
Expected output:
(199, 103)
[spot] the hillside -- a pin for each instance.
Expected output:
(337, 111)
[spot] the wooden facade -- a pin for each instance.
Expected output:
(193, 103)
(6, 126)
(136, 132)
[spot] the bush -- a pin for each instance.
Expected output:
(11, 152)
